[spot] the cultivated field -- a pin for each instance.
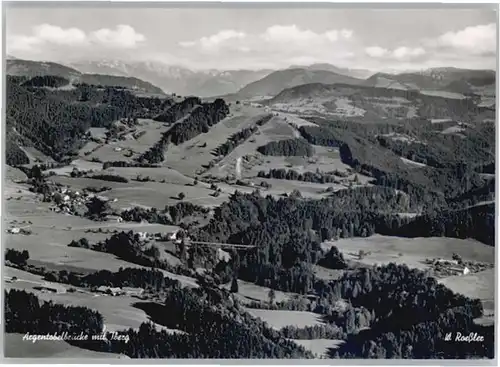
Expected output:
(191, 157)
(319, 347)
(414, 251)
(278, 319)
(479, 285)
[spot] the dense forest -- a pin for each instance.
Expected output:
(430, 187)
(197, 312)
(288, 147)
(25, 313)
(46, 81)
(287, 232)
(56, 121)
(119, 81)
(234, 140)
(477, 222)
(178, 110)
(198, 121)
(195, 120)
(316, 177)
(400, 305)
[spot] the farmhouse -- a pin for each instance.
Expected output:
(143, 235)
(53, 288)
(131, 291)
(115, 218)
(172, 236)
(114, 291)
(460, 270)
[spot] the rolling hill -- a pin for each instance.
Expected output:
(30, 69)
(354, 73)
(373, 104)
(277, 81)
(445, 79)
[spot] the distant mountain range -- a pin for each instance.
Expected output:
(254, 84)
(176, 79)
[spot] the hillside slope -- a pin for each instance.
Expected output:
(446, 79)
(277, 81)
(30, 69)
(369, 103)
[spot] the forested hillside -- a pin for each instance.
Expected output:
(56, 121)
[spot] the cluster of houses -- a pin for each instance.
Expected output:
(446, 267)
(17, 230)
(113, 291)
(66, 200)
(117, 291)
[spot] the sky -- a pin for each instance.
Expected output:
(256, 38)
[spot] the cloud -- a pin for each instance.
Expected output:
(399, 53)
(43, 35)
(480, 39)
(376, 51)
(408, 52)
(58, 35)
(293, 34)
(215, 40)
(46, 34)
(124, 36)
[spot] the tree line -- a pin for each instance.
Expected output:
(288, 147)
(195, 120)
(56, 121)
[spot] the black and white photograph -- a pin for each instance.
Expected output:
(249, 181)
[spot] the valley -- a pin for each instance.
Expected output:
(340, 218)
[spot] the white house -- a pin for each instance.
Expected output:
(172, 236)
(143, 235)
(116, 218)
(110, 290)
(131, 291)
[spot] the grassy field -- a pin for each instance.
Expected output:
(479, 285)
(252, 292)
(118, 150)
(191, 156)
(14, 174)
(414, 251)
(16, 347)
(52, 232)
(278, 319)
(81, 164)
(157, 174)
(118, 311)
(319, 347)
